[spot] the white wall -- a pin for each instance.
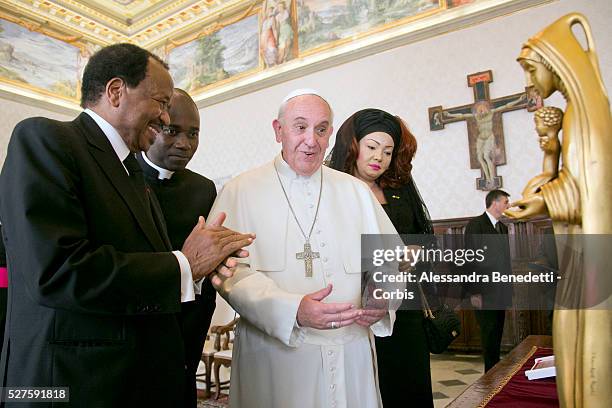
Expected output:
(12, 112)
(237, 134)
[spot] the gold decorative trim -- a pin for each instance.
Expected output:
(507, 378)
(66, 19)
(81, 9)
(216, 26)
(225, 11)
(116, 11)
(106, 28)
(42, 28)
(42, 91)
(167, 13)
(38, 99)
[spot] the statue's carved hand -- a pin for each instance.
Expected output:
(529, 207)
(533, 186)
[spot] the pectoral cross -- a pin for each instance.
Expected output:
(307, 256)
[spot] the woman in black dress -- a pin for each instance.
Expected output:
(377, 148)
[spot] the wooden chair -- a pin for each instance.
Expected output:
(223, 357)
(218, 339)
(207, 358)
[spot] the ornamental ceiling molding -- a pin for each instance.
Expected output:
(42, 27)
(163, 25)
(160, 20)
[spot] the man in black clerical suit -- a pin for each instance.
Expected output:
(183, 196)
(95, 290)
(490, 299)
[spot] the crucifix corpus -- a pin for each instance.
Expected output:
(485, 128)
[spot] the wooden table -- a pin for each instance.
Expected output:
(477, 392)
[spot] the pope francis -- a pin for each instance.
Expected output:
(304, 337)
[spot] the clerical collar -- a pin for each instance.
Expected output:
(492, 218)
(287, 172)
(115, 139)
(162, 173)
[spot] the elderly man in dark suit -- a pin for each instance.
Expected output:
(95, 290)
(183, 196)
(489, 299)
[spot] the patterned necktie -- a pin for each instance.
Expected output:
(137, 178)
(132, 166)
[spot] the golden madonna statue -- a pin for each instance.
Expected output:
(577, 196)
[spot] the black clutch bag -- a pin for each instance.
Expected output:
(441, 326)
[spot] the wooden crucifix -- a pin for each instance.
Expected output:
(485, 128)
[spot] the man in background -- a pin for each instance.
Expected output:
(183, 196)
(490, 299)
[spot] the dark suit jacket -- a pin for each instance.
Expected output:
(183, 198)
(94, 291)
(400, 210)
(480, 233)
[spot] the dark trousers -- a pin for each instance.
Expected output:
(196, 317)
(491, 324)
(403, 363)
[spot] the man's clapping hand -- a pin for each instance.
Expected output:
(207, 246)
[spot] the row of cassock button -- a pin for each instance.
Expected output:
(332, 362)
(331, 354)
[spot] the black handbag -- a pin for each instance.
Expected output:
(441, 326)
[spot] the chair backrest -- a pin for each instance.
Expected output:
(224, 334)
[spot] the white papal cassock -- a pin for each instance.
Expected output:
(275, 362)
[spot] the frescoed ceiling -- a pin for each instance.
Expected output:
(102, 22)
(216, 49)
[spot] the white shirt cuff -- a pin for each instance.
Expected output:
(187, 285)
